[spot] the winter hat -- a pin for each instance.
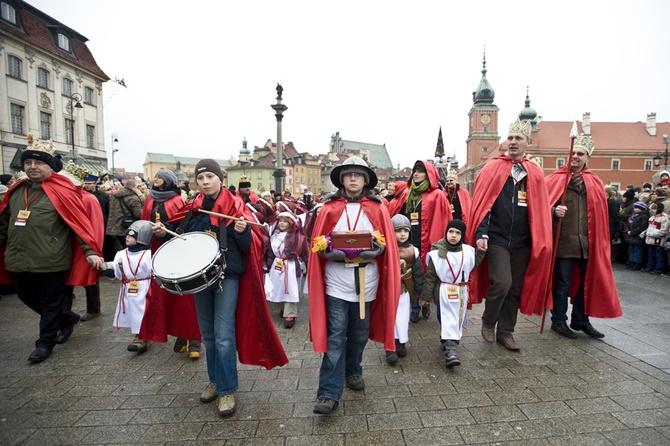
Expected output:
(640, 204)
(660, 207)
(3, 189)
(457, 224)
(168, 176)
(660, 192)
(208, 165)
(419, 167)
(42, 151)
(629, 194)
(399, 221)
(4, 178)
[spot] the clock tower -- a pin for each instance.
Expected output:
(483, 139)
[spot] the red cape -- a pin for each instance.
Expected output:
(167, 313)
(385, 306)
(465, 200)
(66, 198)
(488, 185)
(257, 340)
(600, 294)
(435, 210)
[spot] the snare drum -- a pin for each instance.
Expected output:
(188, 266)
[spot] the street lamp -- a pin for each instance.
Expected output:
(279, 172)
(75, 102)
(666, 155)
(115, 138)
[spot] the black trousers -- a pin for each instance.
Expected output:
(44, 293)
(92, 297)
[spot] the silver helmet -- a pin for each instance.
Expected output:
(142, 231)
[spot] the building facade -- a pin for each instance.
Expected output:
(51, 87)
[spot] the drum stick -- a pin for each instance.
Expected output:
(174, 234)
(231, 218)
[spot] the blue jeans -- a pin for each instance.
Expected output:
(656, 258)
(216, 316)
(347, 337)
(635, 252)
(562, 281)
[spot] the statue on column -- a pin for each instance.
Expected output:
(280, 89)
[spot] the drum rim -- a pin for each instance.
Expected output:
(192, 274)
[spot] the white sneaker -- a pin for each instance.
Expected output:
(209, 394)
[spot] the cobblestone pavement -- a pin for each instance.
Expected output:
(554, 392)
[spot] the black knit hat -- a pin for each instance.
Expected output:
(629, 194)
(38, 155)
(458, 224)
(209, 165)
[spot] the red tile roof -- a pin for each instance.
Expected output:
(35, 32)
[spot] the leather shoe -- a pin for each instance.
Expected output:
(588, 329)
(509, 343)
(65, 334)
(40, 354)
(562, 329)
(89, 316)
(488, 333)
(414, 317)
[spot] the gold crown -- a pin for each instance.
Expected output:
(74, 170)
(41, 146)
(520, 126)
(584, 142)
(244, 178)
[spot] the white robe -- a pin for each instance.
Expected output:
(402, 315)
(130, 306)
(453, 306)
(282, 274)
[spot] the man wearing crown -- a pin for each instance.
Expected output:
(583, 266)
(48, 242)
(353, 291)
(511, 221)
(244, 191)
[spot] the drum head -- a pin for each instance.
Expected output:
(179, 258)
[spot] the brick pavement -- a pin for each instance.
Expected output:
(555, 391)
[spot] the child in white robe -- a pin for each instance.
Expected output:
(132, 266)
(450, 263)
(283, 252)
(411, 272)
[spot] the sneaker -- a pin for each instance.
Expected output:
(138, 346)
(324, 406)
(400, 349)
(225, 405)
(209, 394)
(180, 345)
(509, 343)
(194, 349)
(391, 357)
(356, 383)
(488, 333)
(452, 358)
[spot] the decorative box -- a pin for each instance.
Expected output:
(361, 240)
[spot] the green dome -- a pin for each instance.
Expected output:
(527, 114)
(484, 93)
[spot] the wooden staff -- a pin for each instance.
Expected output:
(172, 233)
(573, 135)
(231, 218)
(361, 282)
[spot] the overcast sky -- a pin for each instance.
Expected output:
(201, 75)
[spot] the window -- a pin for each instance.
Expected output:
(18, 113)
(63, 42)
(560, 162)
(259, 175)
(90, 136)
(42, 77)
(14, 66)
(7, 12)
(45, 125)
(69, 131)
(616, 186)
(88, 95)
(67, 87)
(648, 164)
(615, 164)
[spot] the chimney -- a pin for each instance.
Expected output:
(586, 123)
(651, 124)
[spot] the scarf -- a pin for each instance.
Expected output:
(415, 193)
(160, 196)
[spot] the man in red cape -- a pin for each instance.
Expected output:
(49, 241)
(511, 220)
(426, 206)
(459, 199)
(336, 326)
(583, 267)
